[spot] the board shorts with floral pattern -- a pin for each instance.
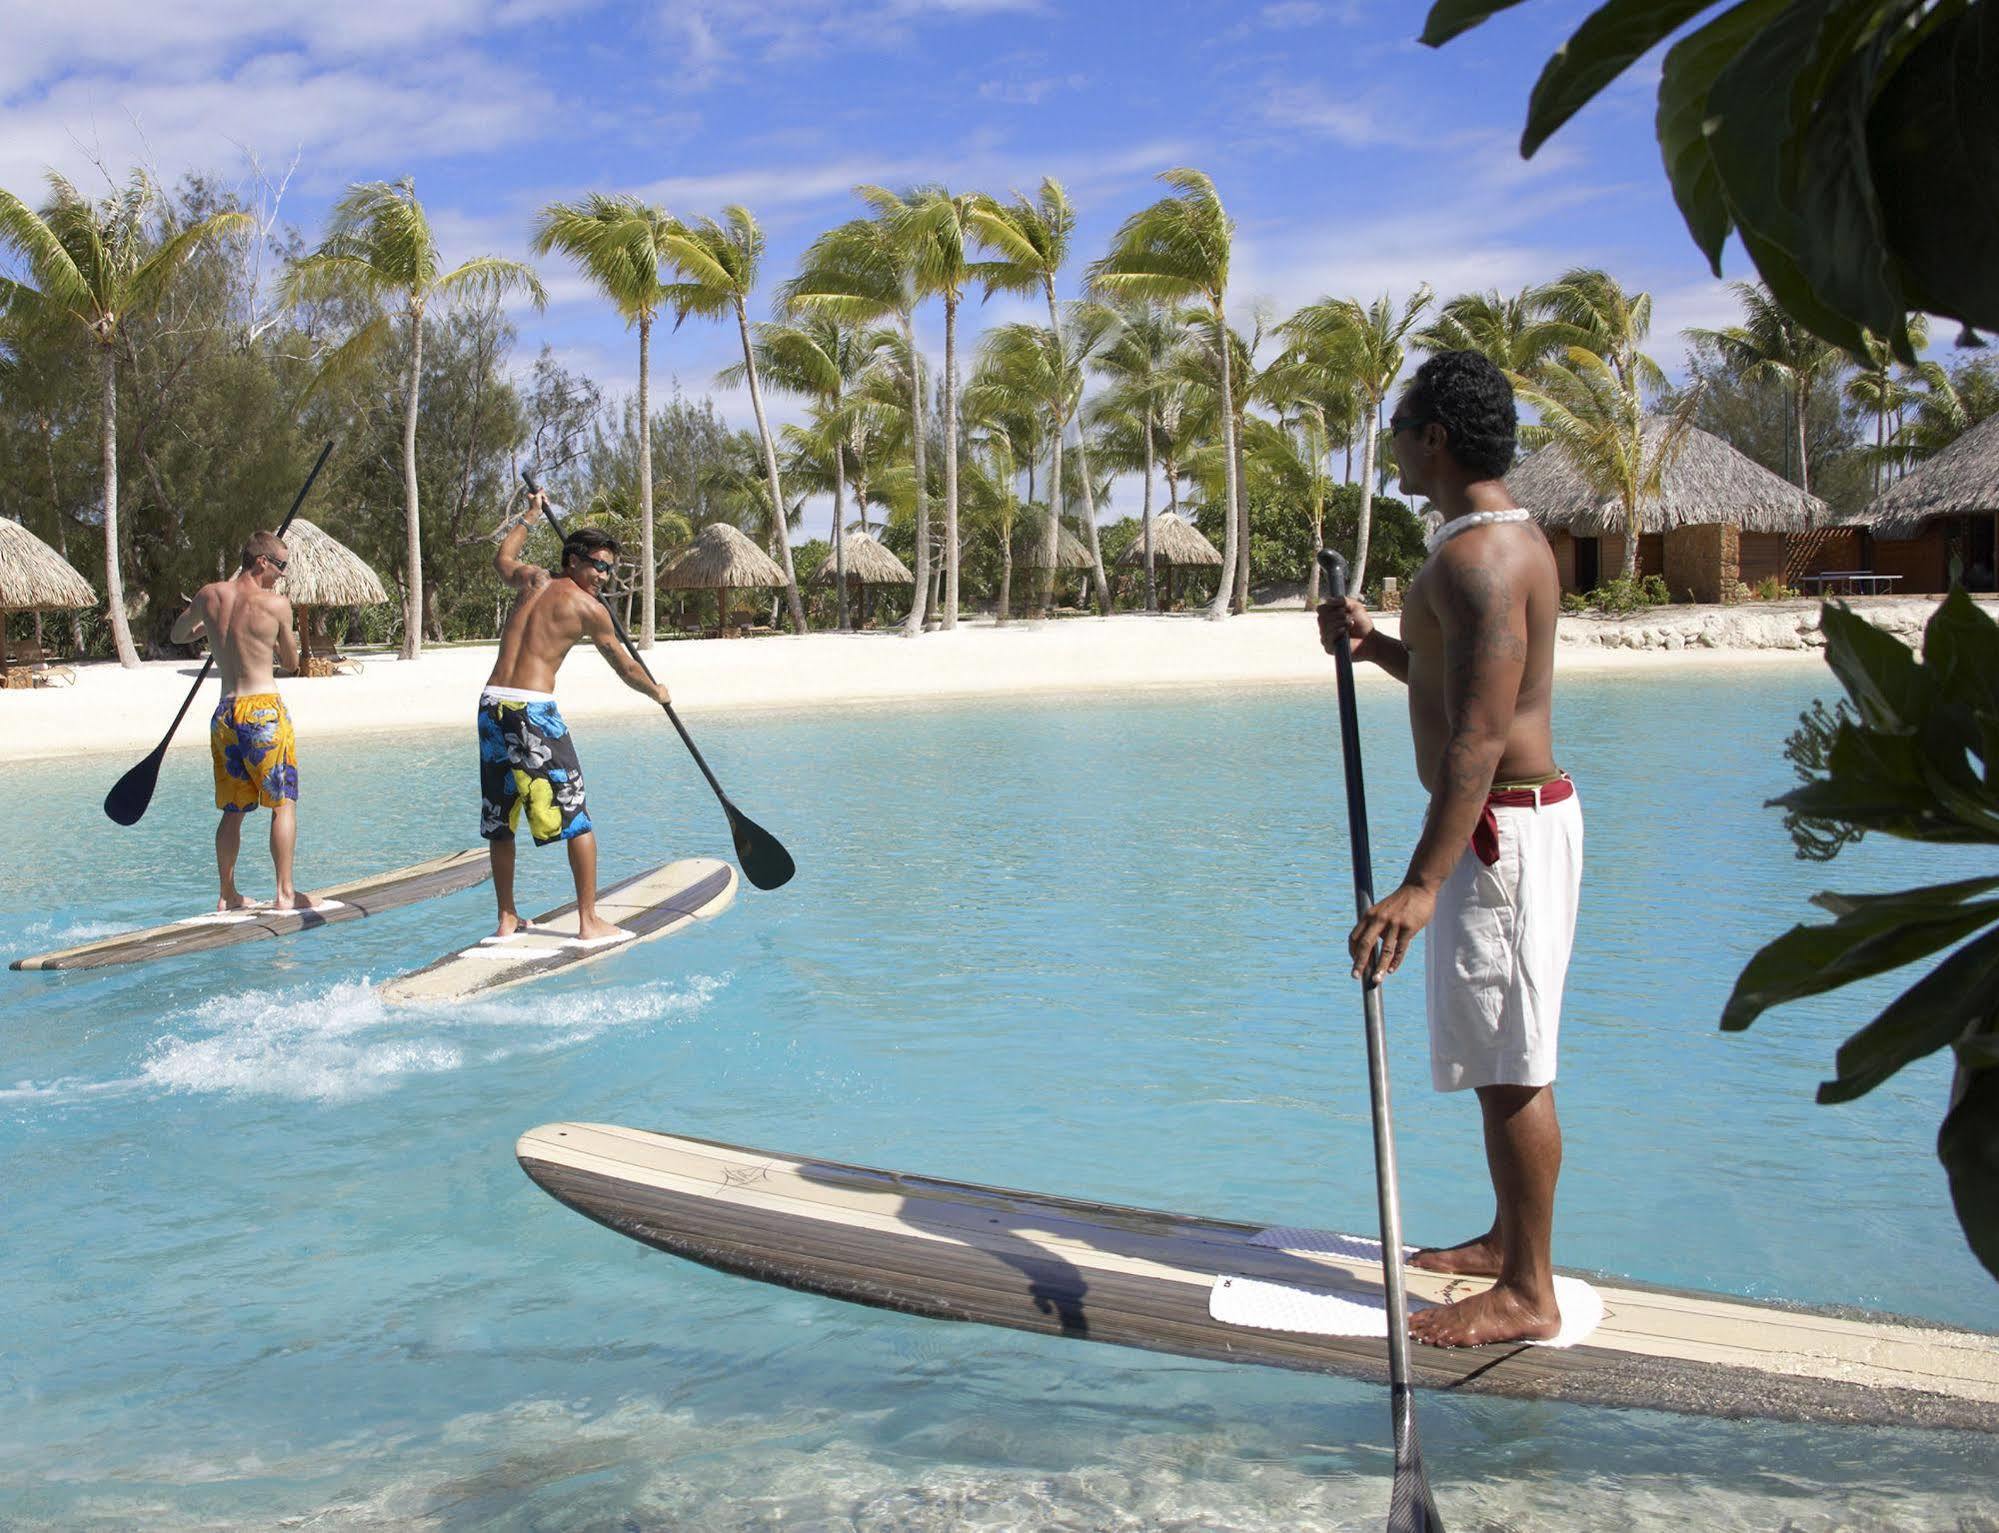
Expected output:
(255, 755)
(527, 765)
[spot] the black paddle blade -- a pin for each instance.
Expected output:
(1410, 1507)
(765, 861)
(126, 802)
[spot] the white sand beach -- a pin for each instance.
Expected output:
(115, 710)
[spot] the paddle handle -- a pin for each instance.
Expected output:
(1386, 1184)
(553, 513)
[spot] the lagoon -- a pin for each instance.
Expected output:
(268, 1254)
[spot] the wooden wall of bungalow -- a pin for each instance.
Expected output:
(1940, 521)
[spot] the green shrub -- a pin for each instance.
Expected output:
(1772, 588)
(1620, 596)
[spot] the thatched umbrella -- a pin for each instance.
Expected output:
(34, 578)
(720, 558)
(1962, 480)
(1176, 543)
(322, 572)
(1070, 553)
(1707, 482)
(869, 563)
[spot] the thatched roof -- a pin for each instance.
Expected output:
(1070, 551)
(868, 562)
(321, 571)
(1708, 481)
(1960, 480)
(33, 576)
(1174, 541)
(721, 556)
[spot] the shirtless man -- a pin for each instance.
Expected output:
(1498, 868)
(527, 757)
(250, 740)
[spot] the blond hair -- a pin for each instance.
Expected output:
(263, 545)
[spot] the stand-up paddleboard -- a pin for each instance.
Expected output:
(659, 903)
(343, 902)
(1211, 1288)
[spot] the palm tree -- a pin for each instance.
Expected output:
(1771, 346)
(1139, 347)
(1018, 375)
(1940, 411)
(379, 252)
(1877, 387)
(1029, 241)
(932, 228)
(1599, 419)
(1178, 250)
(819, 358)
(93, 266)
(717, 263)
(1517, 334)
(1367, 345)
(860, 273)
(618, 242)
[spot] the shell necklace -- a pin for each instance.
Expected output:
(1469, 520)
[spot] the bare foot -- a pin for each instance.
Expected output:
(232, 901)
(590, 928)
(1478, 1257)
(1501, 1313)
(292, 901)
(510, 922)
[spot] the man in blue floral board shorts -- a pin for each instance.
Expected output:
(527, 756)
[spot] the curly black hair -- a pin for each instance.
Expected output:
(1467, 394)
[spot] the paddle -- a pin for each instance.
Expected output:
(1410, 1508)
(131, 794)
(764, 860)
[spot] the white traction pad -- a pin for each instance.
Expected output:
(250, 913)
(1267, 1306)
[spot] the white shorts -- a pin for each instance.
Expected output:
(1498, 951)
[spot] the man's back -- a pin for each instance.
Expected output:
(243, 623)
(547, 622)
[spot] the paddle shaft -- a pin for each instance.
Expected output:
(555, 521)
(208, 663)
(1386, 1184)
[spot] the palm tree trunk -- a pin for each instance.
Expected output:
(840, 535)
(1151, 581)
(649, 585)
(1090, 523)
(412, 645)
(1804, 404)
(1366, 505)
(1631, 530)
(779, 531)
(1051, 544)
(114, 577)
(921, 590)
(1006, 578)
(1242, 527)
(950, 460)
(1225, 588)
(1317, 441)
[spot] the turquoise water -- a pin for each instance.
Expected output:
(267, 1255)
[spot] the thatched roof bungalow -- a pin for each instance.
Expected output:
(34, 578)
(1938, 523)
(1070, 551)
(1719, 518)
(322, 573)
(869, 563)
(1177, 544)
(721, 559)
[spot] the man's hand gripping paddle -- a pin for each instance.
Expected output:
(1410, 1508)
(131, 794)
(764, 860)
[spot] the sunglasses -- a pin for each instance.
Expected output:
(1398, 423)
(600, 566)
(276, 564)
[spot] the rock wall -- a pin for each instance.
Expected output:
(1757, 625)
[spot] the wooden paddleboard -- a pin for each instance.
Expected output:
(1098, 1272)
(647, 905)
(213, 929)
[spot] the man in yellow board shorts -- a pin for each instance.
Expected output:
(250, 741)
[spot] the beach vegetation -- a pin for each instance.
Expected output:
(619, 245)
(1912, 751)
(380, 256)
(1844, 145)
(90, 269)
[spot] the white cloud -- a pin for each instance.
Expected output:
(1018, 92)
(1308, 109)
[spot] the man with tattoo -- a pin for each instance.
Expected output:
(1498, 867)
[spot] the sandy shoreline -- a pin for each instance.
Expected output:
(114, 710)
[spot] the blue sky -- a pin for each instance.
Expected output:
(1354, 160)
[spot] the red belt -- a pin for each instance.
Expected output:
(1485, 835)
